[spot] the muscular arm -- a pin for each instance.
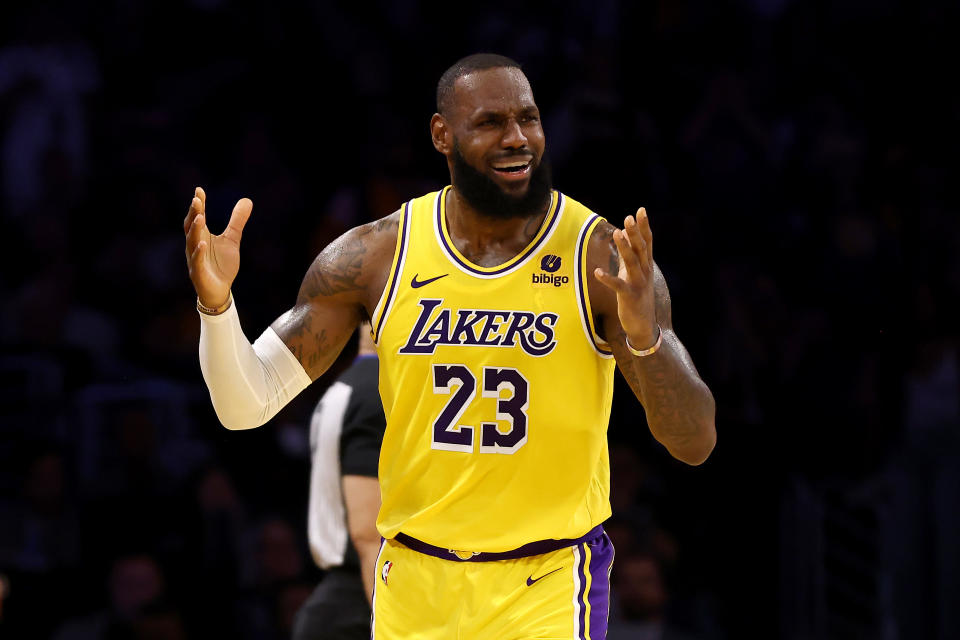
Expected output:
(248, 383)
(679, 406)
(340, 289)
(362, 497)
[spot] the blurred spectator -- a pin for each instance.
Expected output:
(797, 160)
(46, 75)
(159, 621)
(135, 582)
(290, 599)
(641, 601)
(211, 553)
(635, 491)
(278, 555)
(263, 609)
(41, 534)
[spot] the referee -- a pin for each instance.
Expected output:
(346, 431)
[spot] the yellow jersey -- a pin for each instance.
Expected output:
(495, 386)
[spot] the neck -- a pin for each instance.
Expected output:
(483, 239)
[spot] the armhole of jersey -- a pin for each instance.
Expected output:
(582, 290)
(385, 303)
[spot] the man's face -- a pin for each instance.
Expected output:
(497, 161)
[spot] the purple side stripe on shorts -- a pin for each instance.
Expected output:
(601, 562)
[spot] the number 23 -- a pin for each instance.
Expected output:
(448, 435)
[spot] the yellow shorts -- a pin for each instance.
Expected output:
(563, 593)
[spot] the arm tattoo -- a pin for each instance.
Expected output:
(339, 267)
(334, 273)
(331, 298)
(679, 406)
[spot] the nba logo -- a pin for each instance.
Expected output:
(385, 571)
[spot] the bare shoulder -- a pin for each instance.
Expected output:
(601, 250)
(355, 265)
(338, 291)
(602, 253)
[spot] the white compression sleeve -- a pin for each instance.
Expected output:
(248, 383)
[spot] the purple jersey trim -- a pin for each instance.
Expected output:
(396, 273)
(581, 243)
(552, 217)
(529, 549)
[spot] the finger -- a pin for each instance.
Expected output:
(196, 208)
(197, 233)
(195, 259)
(631, 227)
(643, 224)
(200, 193)
(238, 219)
(611, 282)
(628, 254)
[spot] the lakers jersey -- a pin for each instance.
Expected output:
(495, 386)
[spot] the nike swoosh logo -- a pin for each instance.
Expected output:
(416, 284)
(531, 581)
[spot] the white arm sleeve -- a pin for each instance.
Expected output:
(248, 383)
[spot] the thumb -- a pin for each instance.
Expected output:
(611, 282)
(238, 219)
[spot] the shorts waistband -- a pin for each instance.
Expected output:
(529, 549)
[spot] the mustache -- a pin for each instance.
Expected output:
(490, 199)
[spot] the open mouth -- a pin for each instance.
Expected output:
(514, 168)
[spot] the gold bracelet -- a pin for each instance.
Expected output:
(211, 311)
(646, 352)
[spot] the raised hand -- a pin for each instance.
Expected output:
(213, 260)
(634, 282)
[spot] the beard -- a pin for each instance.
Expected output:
(487, 197)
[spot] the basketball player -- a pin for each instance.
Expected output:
(345, 435)
(499, 307)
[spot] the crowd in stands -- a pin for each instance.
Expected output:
(796, 160)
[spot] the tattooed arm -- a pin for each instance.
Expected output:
(341, 288)
(630, 298)
(249, 384)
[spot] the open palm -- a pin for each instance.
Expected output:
(213, 260)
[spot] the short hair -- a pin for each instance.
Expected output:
(464, 66)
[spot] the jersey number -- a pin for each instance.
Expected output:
(449, 435)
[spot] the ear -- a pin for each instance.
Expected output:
(441, 134)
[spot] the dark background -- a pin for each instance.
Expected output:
(797, 160)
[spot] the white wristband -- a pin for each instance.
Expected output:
(640, 353)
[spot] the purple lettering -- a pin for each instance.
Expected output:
(519, 320)
(536, 347)
(440, 328)
(481, 327)
(465, 327)
(414, 344)
(491, 326)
